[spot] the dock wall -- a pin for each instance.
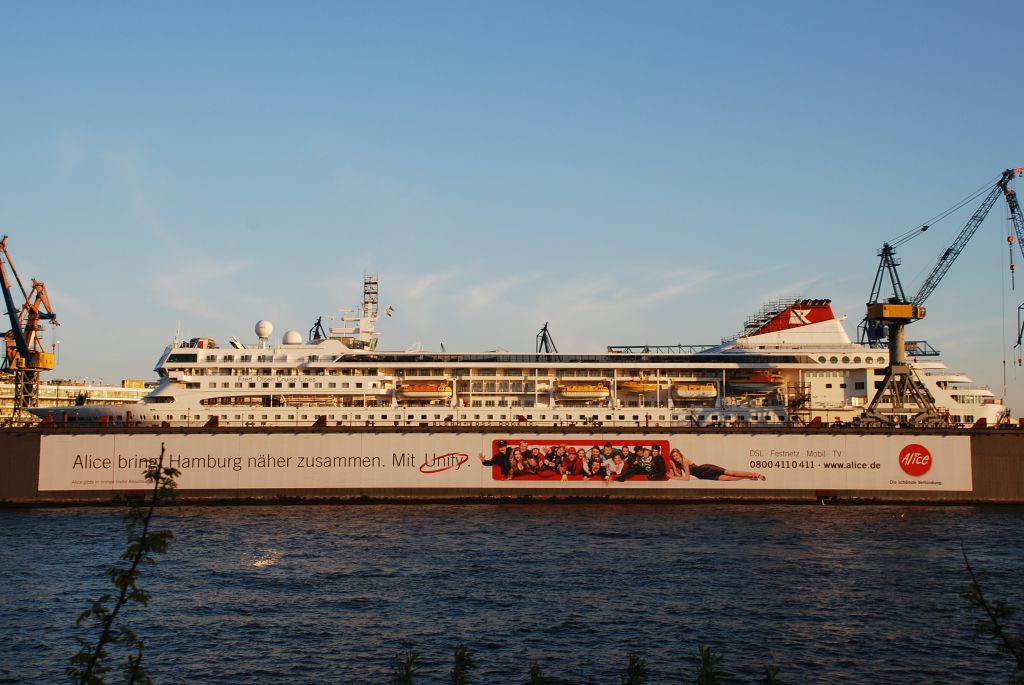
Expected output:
(432, 463)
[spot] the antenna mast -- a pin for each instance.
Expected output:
(544, 341)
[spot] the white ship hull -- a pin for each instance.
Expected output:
(815, 372)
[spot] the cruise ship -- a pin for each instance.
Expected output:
(793, 363)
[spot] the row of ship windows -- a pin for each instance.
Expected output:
(213, 384)
(424, 372)
(622, 374)
(267, 371)
(476, 387)
(846, 360)
(475, 417)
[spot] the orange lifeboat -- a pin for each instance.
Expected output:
(695, 391)
(640, 386)
(583, 392)
(425, 391)
(760, 381)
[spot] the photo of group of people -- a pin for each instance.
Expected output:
(610, 462)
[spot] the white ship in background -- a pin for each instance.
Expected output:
(75, 392)
(793, 363)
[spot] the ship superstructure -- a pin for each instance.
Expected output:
(792, 363)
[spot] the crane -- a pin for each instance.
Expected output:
(886, 318)
(1017, 219)
(23, 347)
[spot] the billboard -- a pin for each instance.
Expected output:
(333, 461)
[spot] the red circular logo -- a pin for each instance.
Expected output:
(915, 460)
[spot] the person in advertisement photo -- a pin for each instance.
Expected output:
(503, 459)
(579, 460)
(684, 469)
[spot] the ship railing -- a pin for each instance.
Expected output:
(957, 387)
(582, 427)
(747, 344)
(920, 348)
(953, 385)
(584, 431)
(658, 349)
(944, 372)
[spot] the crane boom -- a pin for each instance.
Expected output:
(1016, 218)
(901, 391)
(20, 343)
(1018, 227)
(953, 251)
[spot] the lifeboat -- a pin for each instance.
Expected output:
(695, 391)
(639, 386)
(755, 381)
(425, 391)
(583, 392)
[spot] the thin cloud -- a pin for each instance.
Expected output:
(186, 290)
(422, 287)
(733, 277)
(69, 153)
(690, 282)
(482, 294)
(800, 288)
(128, 169)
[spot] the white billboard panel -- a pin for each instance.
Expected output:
(284, 461)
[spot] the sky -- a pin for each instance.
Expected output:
(627, 172)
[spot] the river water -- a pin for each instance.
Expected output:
(288, 594)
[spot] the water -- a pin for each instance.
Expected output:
(284, 594)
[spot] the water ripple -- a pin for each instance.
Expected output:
(331, 594)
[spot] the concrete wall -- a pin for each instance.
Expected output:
(19, 466)
(997, 457)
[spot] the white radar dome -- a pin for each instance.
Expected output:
(292, 338)
(264, 329)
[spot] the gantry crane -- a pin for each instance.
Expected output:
(901, 390)
(25, 355)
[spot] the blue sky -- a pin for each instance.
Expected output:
(629, 172)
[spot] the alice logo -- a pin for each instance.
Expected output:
(443, 462)
(915, 460)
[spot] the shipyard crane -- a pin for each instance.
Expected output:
(23, 347)
(886, 318)
(1017, 220)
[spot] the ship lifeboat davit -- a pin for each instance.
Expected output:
(425, 391)
(755, 381)
(583, 392)
(695, 391)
